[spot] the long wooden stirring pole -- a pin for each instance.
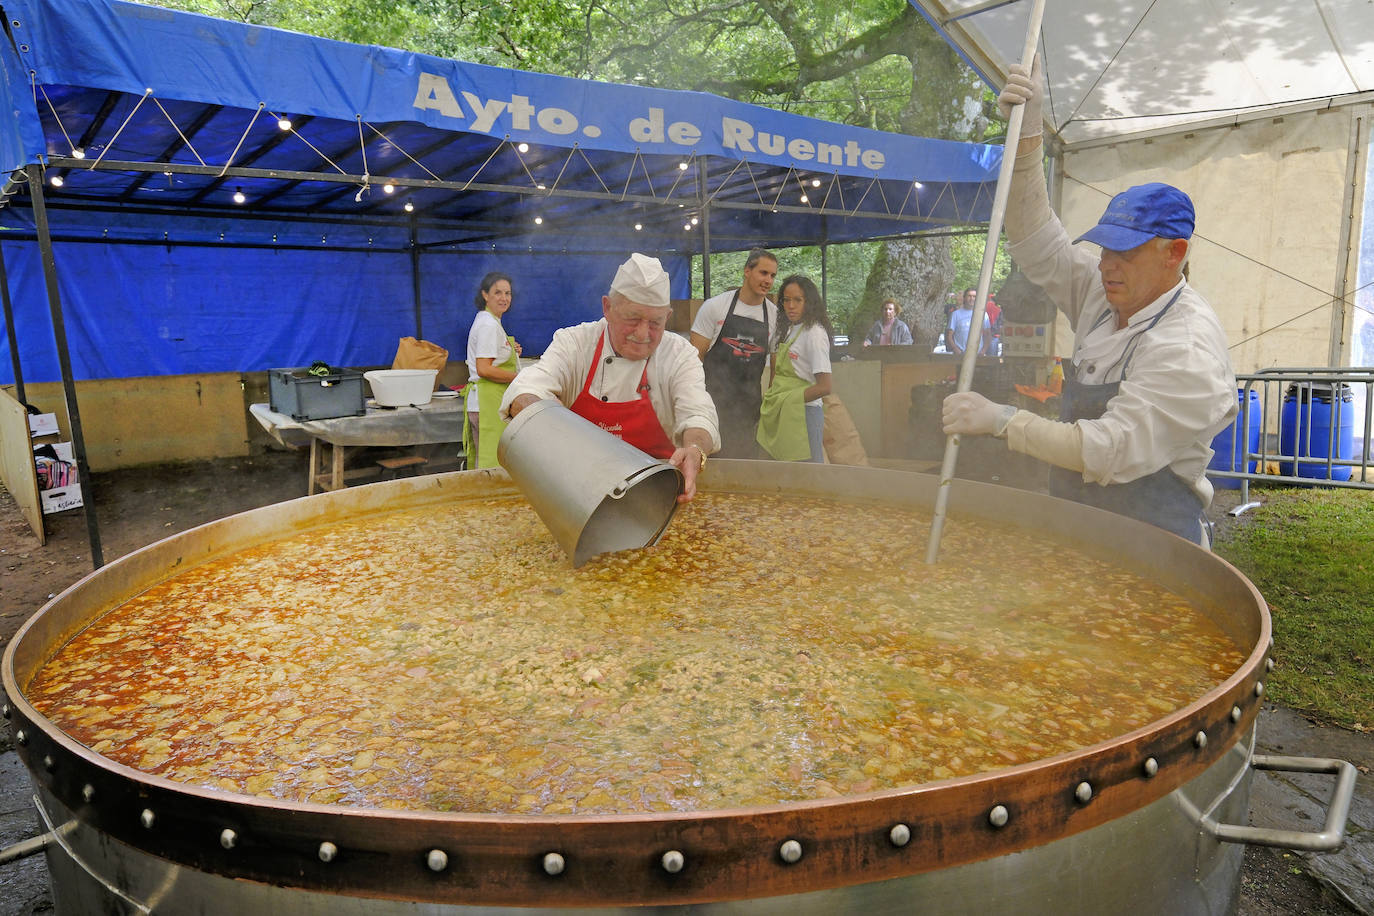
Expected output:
(999, 212)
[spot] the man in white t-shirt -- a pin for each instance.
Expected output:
(733, 332)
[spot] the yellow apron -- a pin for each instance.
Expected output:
(782, 416)
(489, 423)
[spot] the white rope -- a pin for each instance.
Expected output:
(293, 132)
(111, 143)
(630, 174)
(244, 136)
(362, 147)
(178, 130)
(57, 117)
(402, 151)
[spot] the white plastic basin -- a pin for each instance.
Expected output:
(401, 387)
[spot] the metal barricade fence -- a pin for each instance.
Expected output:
(1294, 443)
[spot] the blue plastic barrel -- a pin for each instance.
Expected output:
(1230, 451)
(1305, 428)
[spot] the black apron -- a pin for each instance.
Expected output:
(734, 377)
(1162, 498)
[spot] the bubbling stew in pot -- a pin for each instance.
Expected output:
(768, 649)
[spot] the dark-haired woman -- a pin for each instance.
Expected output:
(791, 420)
(493, 360)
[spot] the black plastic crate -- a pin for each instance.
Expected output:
(302, 396)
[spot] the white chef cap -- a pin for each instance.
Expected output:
(643, 281)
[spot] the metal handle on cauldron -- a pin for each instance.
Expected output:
(1332, 834)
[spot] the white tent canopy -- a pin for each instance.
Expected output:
(1258, 108)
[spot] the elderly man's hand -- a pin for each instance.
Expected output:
(968, 413)
(1027, 89)
(690, 459)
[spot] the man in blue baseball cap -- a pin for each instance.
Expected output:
(1150, 380)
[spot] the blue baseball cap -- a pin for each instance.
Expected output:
(1141, 213)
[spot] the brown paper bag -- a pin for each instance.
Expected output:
(419, 354)
(842, 442)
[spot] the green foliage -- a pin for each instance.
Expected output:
(1308, 552)
(967, 251)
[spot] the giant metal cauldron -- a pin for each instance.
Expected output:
(1132, 822)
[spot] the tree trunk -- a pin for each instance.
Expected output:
(917, 273)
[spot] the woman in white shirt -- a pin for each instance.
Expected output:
(493, 361)
(791, 420)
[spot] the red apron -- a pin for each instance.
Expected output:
(632, 421)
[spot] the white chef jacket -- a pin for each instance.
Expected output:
(1179, 390)
(677, 384)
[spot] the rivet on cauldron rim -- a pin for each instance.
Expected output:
(48, 762)
(1083, 793)
(5, 710)
(1151, 766)
(672, 861)
(999, 816)
(146, 818)
(328, 851)
(1200, 740)
(1259, 688)
(88, 793)
(900, 834)
(553, 863)
(228, 838)
(790, 852)
(1268, 664)
(1235, 713)
(22, 737)
(436, 859)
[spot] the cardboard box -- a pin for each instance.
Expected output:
(58, 486)
(1025, 339)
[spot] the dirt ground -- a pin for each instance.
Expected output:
(138, 506)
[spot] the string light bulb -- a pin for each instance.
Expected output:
(410, 207)
(918, 185)
(695, 221)
(682, 166)
(523, 147)
(239, 196)
(284, 123)
(639, 227)
(805, 199)
(389, 188)
(815, 182)
(539, 220)
(78, 153)
(56, 180)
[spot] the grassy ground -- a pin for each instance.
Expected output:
(1311, 554)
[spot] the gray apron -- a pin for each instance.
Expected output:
(1162, 498)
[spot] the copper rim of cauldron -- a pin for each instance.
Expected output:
(638, 859)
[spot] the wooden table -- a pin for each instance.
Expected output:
(441, 420)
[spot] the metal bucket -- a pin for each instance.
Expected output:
(1145, 820)
(596, 493)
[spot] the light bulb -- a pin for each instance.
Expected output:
(284, 123)
(805, 199)
(78, 153)
(389, 188)
(815, 182)
(523, 147)
(56, 181)
(695, 221)
(918, 185)
(638, 226)
(410, 207)
(682, 166)
(539, 220)
(239, 196)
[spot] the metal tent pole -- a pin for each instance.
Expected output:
(415, 276)
(999, 211)
(59, 331)
(705, 231)
(9, 329)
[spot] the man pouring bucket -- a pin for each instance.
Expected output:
(623, 373)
